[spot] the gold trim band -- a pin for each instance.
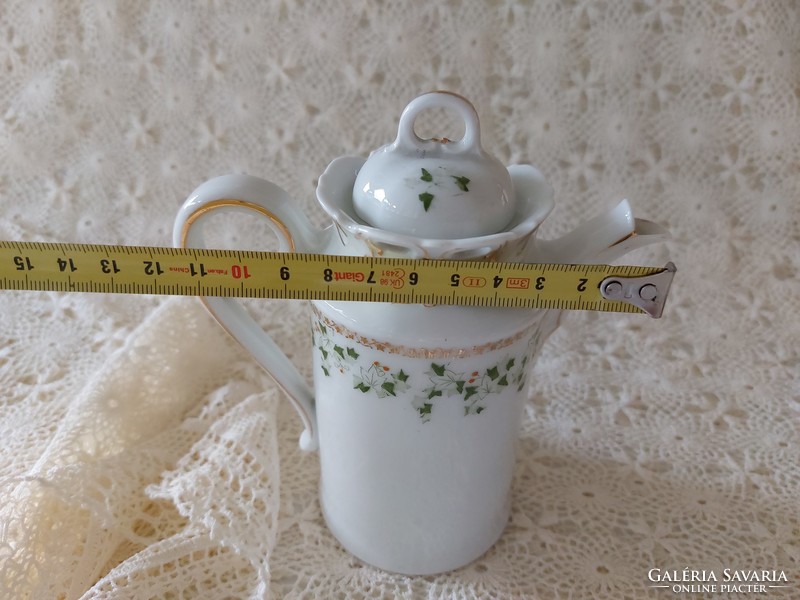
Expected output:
(428, 353)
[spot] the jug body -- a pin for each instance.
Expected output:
(418, 410)
(415, 409)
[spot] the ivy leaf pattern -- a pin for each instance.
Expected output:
(474, 387)
(461, 182)
(334, 357)
(381, 380)
(433, 393)
(426, 198)
(425, 409)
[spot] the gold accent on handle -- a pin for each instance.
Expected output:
(233, 203)
(305, 417)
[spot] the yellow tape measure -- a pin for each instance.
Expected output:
(63, 267)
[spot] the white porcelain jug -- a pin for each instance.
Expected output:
(415, 409)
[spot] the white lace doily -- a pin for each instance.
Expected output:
(145, 456)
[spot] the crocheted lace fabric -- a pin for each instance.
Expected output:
(144, 455)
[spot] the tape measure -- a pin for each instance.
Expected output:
(62, 267)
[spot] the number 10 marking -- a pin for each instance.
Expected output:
(239, 271)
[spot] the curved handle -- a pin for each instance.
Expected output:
(295, 233)
(407, 139)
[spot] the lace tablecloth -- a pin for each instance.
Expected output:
(145, 456)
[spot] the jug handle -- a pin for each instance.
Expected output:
(294, 231)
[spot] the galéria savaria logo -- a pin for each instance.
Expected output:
(725, 581)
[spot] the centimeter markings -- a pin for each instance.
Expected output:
(66, 267)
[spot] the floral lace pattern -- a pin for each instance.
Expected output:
(144, 456)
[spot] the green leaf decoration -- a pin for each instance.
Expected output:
(426, 176)
(461, 182)
(379, 381)
(426, 198)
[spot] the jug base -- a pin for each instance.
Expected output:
(393, 559)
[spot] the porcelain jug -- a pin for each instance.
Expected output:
(415, 409)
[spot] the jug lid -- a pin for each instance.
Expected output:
(435, 188)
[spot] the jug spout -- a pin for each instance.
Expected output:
(600, 240)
